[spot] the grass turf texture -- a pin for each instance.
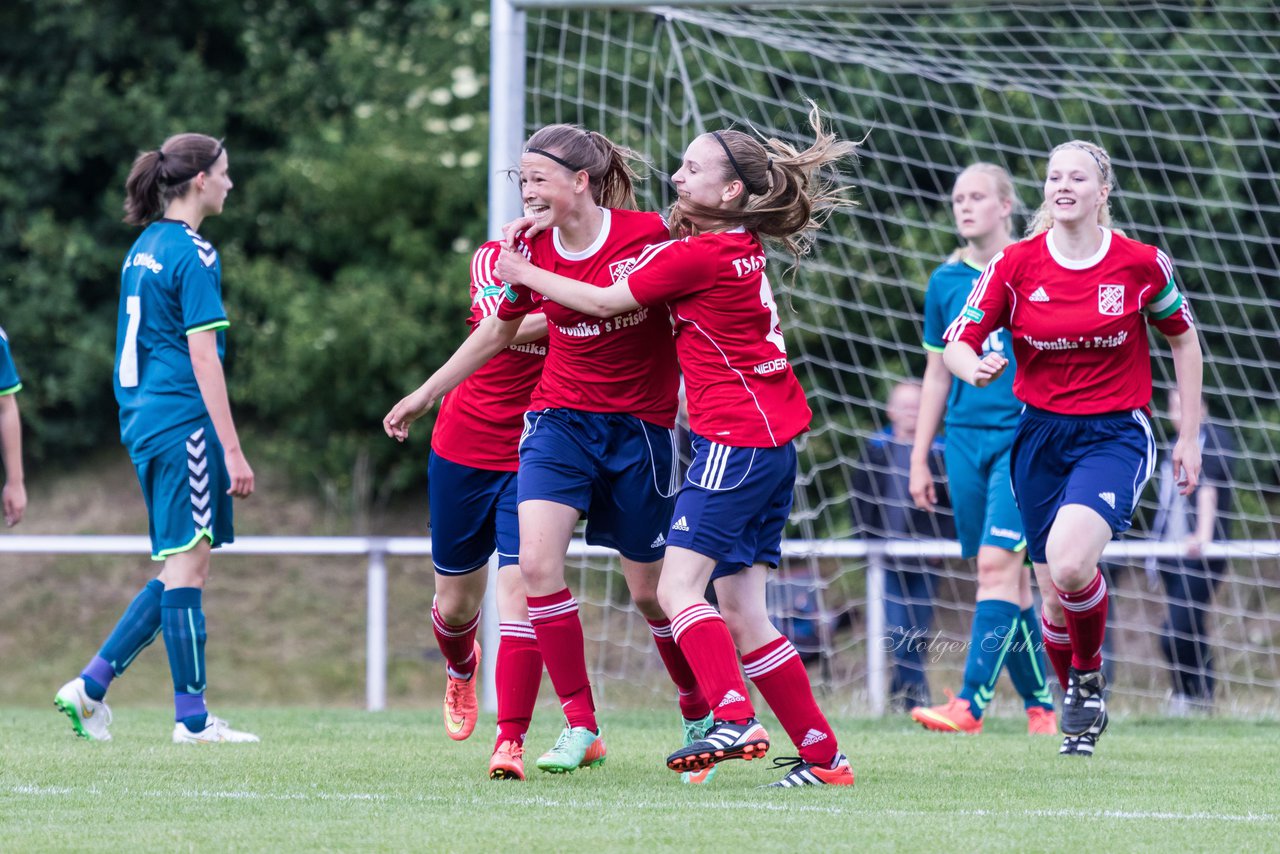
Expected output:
(345, 780)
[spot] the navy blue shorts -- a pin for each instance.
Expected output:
(734, 504)
(473, 511)
(185, 488)
(617, 470)
(1100, 461)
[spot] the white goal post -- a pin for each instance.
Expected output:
(1184, 95)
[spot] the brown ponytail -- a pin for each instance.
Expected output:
(607, 164)
(786, 194)
(160, 176)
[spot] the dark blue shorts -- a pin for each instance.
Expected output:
(473, 511)
(1100, 461)
(734, 504)
(617, 470)
(185, 488)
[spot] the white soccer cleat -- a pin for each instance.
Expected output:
(215, 731)
(89, 717)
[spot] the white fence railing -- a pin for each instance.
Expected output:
(377, 549)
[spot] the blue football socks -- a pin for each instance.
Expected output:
(137, 628)
(182, 621)
(995, 625)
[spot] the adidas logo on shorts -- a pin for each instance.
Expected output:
(661, 541)
(680, 525)
(1109, 497)
(731, 697)
(813, 736)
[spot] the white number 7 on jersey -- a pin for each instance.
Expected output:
(775, 325)
(129, 353)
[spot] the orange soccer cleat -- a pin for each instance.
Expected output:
(507, 762)
(802, 773)
(1041, 721)
(951, 716)
(460, 706)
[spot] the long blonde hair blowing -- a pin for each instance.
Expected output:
(1005, 192)
(1043, 220)
(607, 164)
(786, 197)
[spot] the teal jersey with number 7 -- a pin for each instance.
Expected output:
(170, 287)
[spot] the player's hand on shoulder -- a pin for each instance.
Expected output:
(240, 474)
(512, 266)
(410, 408)
(989, 369)
(525, 226)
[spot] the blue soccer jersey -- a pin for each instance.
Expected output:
(170, 287)
(9, 382)
(967, 406)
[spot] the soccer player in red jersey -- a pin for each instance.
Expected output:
(599, 437)
(1078, 298)
(980, 427)
(472, 483)
(745, 408)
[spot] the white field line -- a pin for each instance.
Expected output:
(596, 804)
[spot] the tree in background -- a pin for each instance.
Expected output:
(360, 142)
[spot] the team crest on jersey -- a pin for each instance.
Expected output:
(1111, 300)
(621, 269)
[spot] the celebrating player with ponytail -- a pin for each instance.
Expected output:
(1078, 298)
(745, 408)
(599, 437)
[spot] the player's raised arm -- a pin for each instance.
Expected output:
(491, 335)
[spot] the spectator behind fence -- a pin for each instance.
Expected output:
(1189, 580)
(883, 509)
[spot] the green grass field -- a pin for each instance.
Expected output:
(348, 780)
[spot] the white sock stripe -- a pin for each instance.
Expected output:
(452, 631)
(543, 613)
(1062, 638)
(1087, 604)
(517, 630)
(663, 631)
(690, 616)
(770, 662)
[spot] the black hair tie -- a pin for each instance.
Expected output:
(174, 181)
(737, 170)
(547, 154)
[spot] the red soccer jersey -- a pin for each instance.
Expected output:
(480, 421)
(1079, 327)
(740, 388)
(618, 364)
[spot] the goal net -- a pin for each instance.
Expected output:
(1184, 95)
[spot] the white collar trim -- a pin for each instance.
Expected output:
(595, 244)
(1081, 263)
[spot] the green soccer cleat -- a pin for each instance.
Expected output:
(696, 731)
(577, 747)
